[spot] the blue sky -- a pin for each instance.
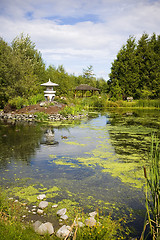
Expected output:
(79, 33)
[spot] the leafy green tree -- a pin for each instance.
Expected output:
(22, 69)
(5, 66)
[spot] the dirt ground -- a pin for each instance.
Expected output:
(37, 108)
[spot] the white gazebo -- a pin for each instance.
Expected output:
(49, 94)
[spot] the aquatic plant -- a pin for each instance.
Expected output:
(71, 110)
(153, 192)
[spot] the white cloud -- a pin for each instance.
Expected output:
(79, 33)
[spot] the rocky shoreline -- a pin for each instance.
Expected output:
(64, 230)
(16, 117)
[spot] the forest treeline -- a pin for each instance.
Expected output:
(22, 70)
(135, 71)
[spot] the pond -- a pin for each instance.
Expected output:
(95, 163)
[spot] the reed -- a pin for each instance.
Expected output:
(153, 192)
(148, 103)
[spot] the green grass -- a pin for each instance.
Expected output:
(11, 226)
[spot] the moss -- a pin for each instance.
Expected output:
(25, 193)
(75, 143)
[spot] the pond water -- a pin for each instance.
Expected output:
(95, 163)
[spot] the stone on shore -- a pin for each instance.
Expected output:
(36, 225)
(61, 212)
(93, 214)
(90, 222)
(63, 231)
(43, 204)
(55, 206)
(64, 217)
(43, 228)
(40, 211)
(41, 196)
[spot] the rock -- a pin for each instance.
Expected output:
(43, 204)
(55, 206)
(93, 214)
(36, 225)
(41, 197)
(64, 217)
(44, 228)
(63, 231)
(42, 104)
(80, 224)
(40, 211)
(62, 211)
(90, 222)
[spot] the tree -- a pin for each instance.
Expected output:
(89, 76)
(24, 48)
(124, 71)
(21, 70)
(5, 66)
(136, 69)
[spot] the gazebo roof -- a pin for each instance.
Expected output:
(49, 83)
(86, 87)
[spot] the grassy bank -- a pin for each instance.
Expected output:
(100, 102)
(13, 227)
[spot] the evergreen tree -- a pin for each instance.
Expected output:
(124, 71)
(136, 69)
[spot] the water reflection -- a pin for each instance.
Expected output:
(48, 137)
(95, 163)
(18, 141)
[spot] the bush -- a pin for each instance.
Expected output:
(71, 110)
(18, 102)
(36, 99)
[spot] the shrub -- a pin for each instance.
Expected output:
(71, 110)
(36, 99)
(18, 102)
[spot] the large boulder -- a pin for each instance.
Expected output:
(43, 228)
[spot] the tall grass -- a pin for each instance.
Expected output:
(102, 102)
(148, 103)
(153, 192)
